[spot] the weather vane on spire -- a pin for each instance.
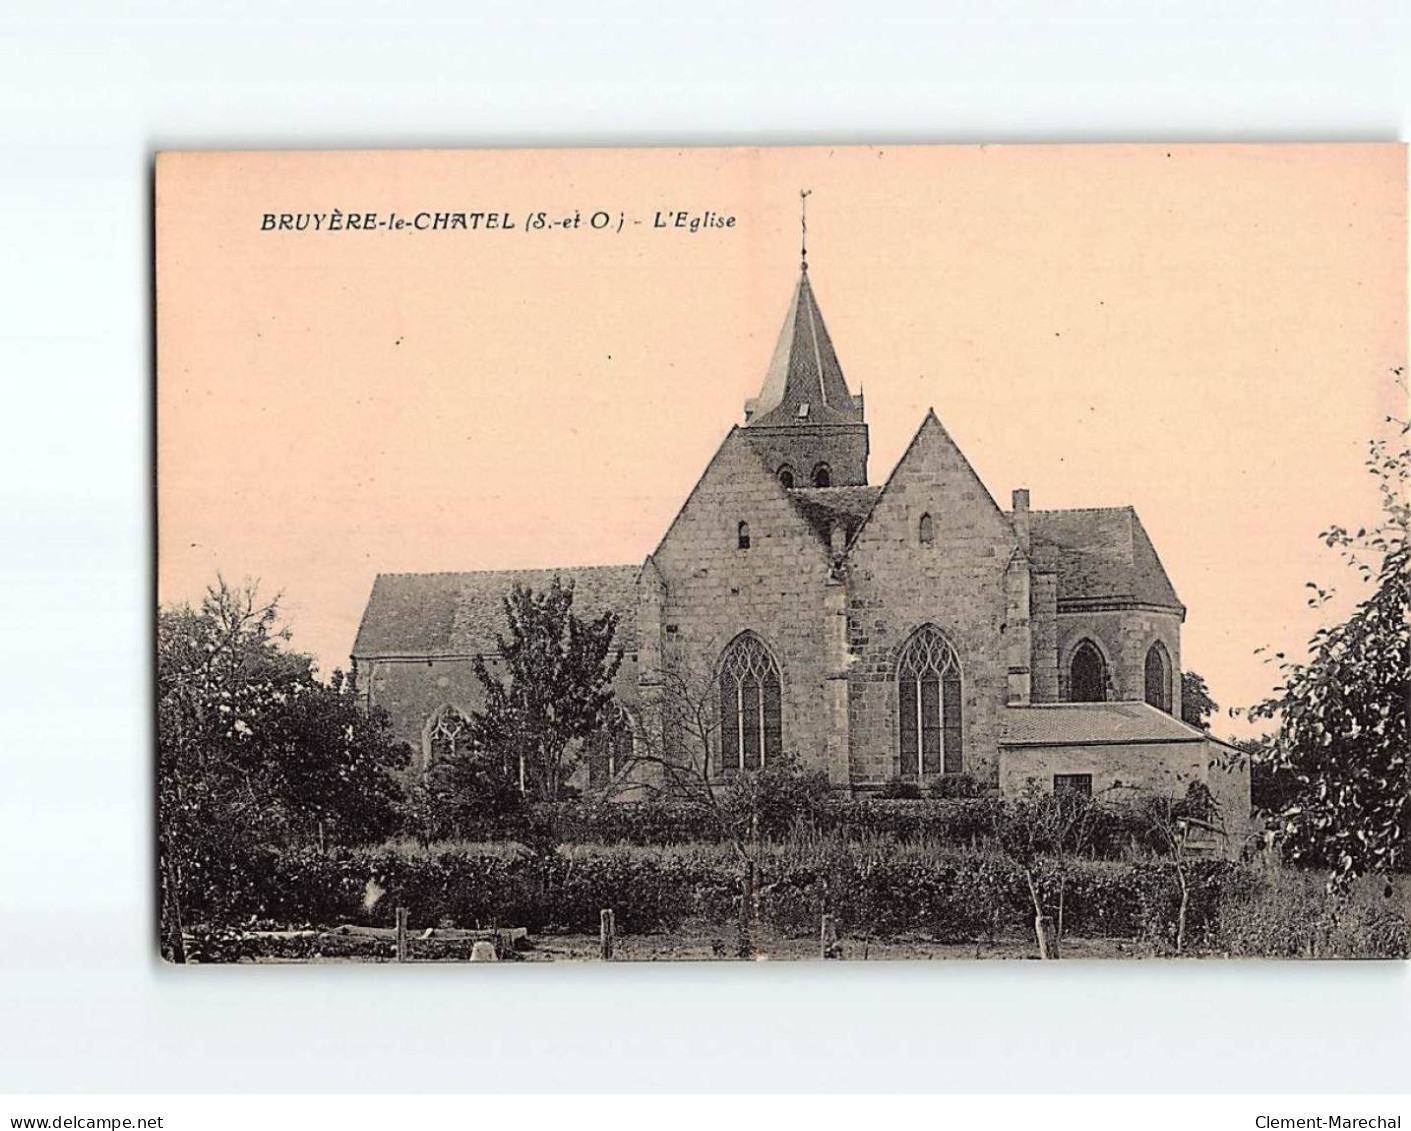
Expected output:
(803, 224)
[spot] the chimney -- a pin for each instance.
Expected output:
(1019, 515)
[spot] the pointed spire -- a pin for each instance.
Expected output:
(804, 384)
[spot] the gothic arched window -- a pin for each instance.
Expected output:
(929, 705)
(1087, 675)
(750, 731)
(448, 735)
(822, 477)
(742, 535)
(927, 532)
(786, 476)
(1158, 677)
(610, 751)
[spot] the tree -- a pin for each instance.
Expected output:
(1341, 715)
(1196, 704)
(1172, 821)
(678, 759)
(470, 795)
(327, 764)
(556, 691)
(1039, 827)
(1272, 788)
(252, 751)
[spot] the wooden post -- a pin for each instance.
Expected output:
(744, 947)
(1043, 932)
(828, 937)
(401, 934)
(608, 933)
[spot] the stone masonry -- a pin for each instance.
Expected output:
(784, 543)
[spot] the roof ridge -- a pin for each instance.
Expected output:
(1081, 510)
(505, 569)
(810, 309)
(838, 487)
(928, 420)
(1090, 703)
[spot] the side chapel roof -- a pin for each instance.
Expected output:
(461, 614)
(1101, 554)
(1092, 724)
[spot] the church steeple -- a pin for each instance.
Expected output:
(804, 383)
(805, 420)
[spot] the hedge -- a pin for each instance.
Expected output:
(960, 823)
(948, 895)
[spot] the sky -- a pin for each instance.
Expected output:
(1206, 333)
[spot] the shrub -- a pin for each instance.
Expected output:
(467, 795)
(771, 801)
(1290, 914)
(958, 823)
(1211, 885)
(630, 822)
(948, 787)
(1112, 832)
(899, 789)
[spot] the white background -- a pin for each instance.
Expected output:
(89, 91)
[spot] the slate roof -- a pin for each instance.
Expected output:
(803, 371)
(460, 614)
(1101, 553)
(1093, 724)
(823, 506)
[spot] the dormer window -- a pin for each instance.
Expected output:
(742, 533)
(927, 532)
(822, 477)
(786, 477)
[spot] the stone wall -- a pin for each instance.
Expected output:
(1123, 636)
(1165, 768)
(843, 447)
(1228, 779)
(779, 589)
(413, 692)
(957, 582)
(836, 621)
(1158, 767)
(1043, 621)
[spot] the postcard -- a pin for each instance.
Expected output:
(852, 553)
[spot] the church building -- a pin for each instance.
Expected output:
(910, 629)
